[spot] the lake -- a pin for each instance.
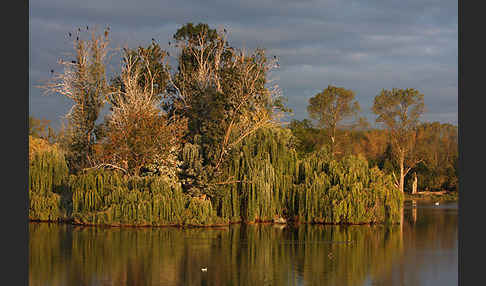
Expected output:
(423, 251)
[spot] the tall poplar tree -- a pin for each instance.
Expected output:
(399, 111)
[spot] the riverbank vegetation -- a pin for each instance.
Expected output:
(205, 144)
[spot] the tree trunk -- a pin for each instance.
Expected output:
(414, 214)
(401, 184)
(401, 219)
(414, 185)
(402, 177)
(332, 146)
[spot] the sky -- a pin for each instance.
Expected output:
(365, 46)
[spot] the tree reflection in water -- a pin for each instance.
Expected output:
(245, 254)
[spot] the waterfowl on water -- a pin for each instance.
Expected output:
(204, 269)
(436, 203)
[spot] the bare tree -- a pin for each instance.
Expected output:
(138, 132)
(84, 82)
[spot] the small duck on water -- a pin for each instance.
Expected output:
(204, 269)
(436, 203)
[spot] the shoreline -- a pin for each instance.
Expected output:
(440, 196)
(184, 226)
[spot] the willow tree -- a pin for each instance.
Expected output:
(399, 111)
(221, 90)
(84, 82)
(331, 107)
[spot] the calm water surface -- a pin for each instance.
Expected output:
(422, 252)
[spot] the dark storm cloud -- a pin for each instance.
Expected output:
(362, 45)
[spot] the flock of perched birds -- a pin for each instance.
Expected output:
(106, 31)
(77, 39)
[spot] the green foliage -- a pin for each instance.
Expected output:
(263, 180)
(233, 164)
(47, 178)
(189, 32)
(194, 176)
(200, 212)
(108, 198)
(308, 138)
(399, 111)
(346, 191)
(40, 128)
(273, 182)
(438, 170)
(224, 97)
(330, 107)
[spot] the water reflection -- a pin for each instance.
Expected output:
(250, 255)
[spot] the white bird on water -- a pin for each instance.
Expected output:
(204, 269)
(436, 203)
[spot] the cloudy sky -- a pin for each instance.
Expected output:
(360, 45)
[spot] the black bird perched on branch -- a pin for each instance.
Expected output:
(169, 43)
(69, 34)
(87, 28)
(77, 38)
(52, 71)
